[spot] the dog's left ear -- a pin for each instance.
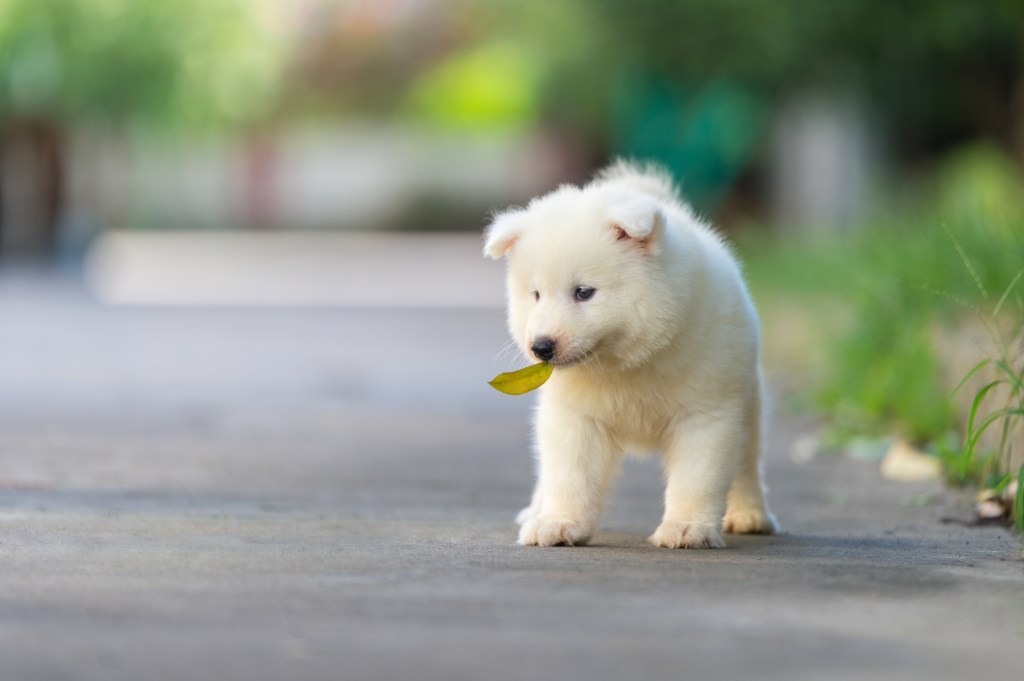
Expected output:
(503, 232)
(638, 218)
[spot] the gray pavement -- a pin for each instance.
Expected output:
(327, 493)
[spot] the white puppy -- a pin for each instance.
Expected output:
(644, 313)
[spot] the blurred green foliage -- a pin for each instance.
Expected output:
(979, 184)
(934, 69)
(801, 42)
(694, 84)
(495, 85)
(154, 61)
(939, 263)
(704, 136)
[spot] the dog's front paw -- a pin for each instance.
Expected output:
(749, 521)
(672, 534)
(540, 531)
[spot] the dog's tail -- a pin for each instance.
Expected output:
(649, 178)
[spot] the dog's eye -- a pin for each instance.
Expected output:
(536, 295)
(584, 293)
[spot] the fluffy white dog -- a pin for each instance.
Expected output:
(643, 312)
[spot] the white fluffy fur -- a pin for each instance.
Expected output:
(664, 357)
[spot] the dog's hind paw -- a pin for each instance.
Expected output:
(757, 521)
(673, 534)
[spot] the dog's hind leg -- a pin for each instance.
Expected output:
(747, 512)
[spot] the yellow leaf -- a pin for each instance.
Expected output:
(523, 381)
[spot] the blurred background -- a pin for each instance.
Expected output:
(423, 114)
(866, 157)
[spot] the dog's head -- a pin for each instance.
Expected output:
(586, 276)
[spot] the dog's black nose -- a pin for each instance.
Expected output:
(544, 348)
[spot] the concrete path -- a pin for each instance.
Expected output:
(327, 493)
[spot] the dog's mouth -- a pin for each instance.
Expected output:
(574, 357)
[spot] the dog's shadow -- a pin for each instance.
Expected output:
(782, 544)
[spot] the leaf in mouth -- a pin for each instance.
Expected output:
(523, 381)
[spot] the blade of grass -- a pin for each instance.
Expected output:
(1006, 293)
(967, 262)
(959, 300)
(1018, 503)
(1005, 452)
(970, 373)
(988, 421)
(1015, 378)
(1001, 483)
(977, 403)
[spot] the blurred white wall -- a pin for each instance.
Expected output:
(347, 178)
(824, 162)
(293, 269)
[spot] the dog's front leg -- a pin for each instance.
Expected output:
(577, 460)
(700, 462)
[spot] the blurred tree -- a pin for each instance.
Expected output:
(936, 70)
(492, 86)
(114, 63)
(692, 83)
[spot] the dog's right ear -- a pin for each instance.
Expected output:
(503, 231)
(639, 218)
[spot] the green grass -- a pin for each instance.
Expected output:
(992, 464)
(975, 461)
(903, 307)
(1018, 503)
(878, 298)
